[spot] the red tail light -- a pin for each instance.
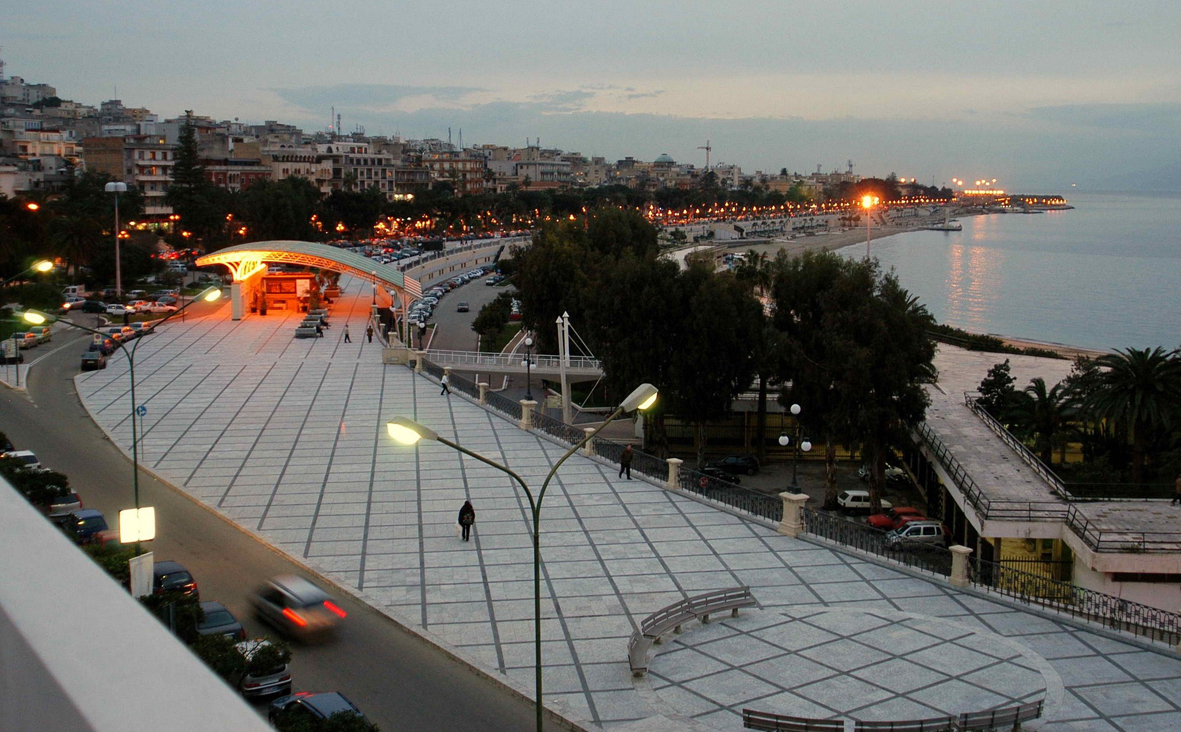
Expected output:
(252, 685)
(334, 609)
(294, 617)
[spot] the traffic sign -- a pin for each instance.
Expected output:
(141, 410)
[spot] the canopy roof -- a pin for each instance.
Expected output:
(244, 260)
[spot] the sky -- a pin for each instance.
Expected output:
(1039, 95)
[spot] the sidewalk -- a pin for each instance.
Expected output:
(287, 437)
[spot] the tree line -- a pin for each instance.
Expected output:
(840, 337)
(1123, 410)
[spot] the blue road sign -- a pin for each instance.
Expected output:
(141, 410)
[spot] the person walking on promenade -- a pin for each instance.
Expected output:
(346, 334)
(445, 381)
(1177, 495)
(625, 462)
(467, 517)
(369, 333)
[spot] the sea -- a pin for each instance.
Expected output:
(1104, 275)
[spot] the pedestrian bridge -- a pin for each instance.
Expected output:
(577, 367)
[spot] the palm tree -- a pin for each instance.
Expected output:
(76, 238)
(1044, 414)
(1140, 389)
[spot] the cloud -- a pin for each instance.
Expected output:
(562, 101)
(645, 95)
(368, 96)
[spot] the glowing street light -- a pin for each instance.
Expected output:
(117, 187)
(408, 432)
(41, 266)
(867, 203)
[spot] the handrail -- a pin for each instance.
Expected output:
(1033, 461)
(480, 358)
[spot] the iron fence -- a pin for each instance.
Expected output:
(465, 385)
(857, 535)
(1033, 461)
(503, 404)
(642, 462)
(729, 494)
(1112, 612)
(1121, 540)
(569, 434)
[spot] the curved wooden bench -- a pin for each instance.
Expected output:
(698, 607)
(752, 719)
(1010, 717)
(936, 724)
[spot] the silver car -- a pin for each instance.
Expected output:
(915, 533)
(263, 682)
(297, 607)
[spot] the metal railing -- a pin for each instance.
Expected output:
(503, 404)
(1033, 461)
(735, 496)
(1121, 540)
(857, 535)
(513, 361)
(1064, 597)
(556, 428)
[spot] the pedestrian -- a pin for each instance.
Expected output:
(369, 333)
(1177, 495)
(445, 381)
(467, 517)
(625, 462)
(319, 331)
(346, 334)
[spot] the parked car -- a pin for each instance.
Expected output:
(119, 332)
(140, 328)
(918, 533)
(29, 460)
(136, 294)
(463, 307)
(296, 606)
(276, 680)
(161, 307)
(138, 306)
(71, 301)
(44, 333)
(63, 506)
(170, 576)
(219, 621)
(312, 706)
(106, 346)
(735, 464)
(719, 474)
(85, 526)
(94, 360)
(118, 310)
(894, 518)
(892, 472)
(856, 501)
(24, 339)
(92, 306)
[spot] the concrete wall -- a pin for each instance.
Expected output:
(1162, 595)
(77, 653)
(447, 267)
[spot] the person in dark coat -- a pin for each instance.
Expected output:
(467, 517)
(625, 462)
(369, 333)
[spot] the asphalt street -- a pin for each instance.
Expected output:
(454, 328)
(399, 681)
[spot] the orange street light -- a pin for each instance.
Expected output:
(33, 206)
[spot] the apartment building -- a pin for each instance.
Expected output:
(145, 161)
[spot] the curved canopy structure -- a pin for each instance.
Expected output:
(244, 260)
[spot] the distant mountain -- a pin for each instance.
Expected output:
(1167, 178)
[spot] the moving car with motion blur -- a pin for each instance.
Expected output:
(297, 607)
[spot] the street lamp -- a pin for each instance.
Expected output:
(42, 266)
(867, 203)
(409, 432)
(117, 187)
(798, 445)
(529, 368)
(374, 273)
(38, 318)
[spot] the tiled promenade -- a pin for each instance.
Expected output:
(287, 437)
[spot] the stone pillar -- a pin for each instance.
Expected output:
(588, 449)
(959, 565)
(419, 356)
(674, 473)
(527, 407)
(483, 392)
(793, 514)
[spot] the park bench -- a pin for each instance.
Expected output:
(996, 719)
(306, 332)
(318, 313)
(937, 724)
(752, 719)
(699, 607)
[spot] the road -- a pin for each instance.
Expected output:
(399, 681)
(454, 330)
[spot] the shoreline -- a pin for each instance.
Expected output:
(851, 237)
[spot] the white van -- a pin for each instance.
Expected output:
(858, 502)
(74, 291)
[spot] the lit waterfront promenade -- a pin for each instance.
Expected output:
(287, 438)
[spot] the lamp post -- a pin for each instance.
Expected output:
(374, 273)
(117, 187)
(37, 318)
(528, 368)
(867, 203)
(408, 432)
(798, 445)
(42, 266)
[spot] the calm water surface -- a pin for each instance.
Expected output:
(1104, 275)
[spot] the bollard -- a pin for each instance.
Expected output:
(527, 407)
(588, 447)
(959, 565)
(674, 473)
(483, 392)
(793, 514)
